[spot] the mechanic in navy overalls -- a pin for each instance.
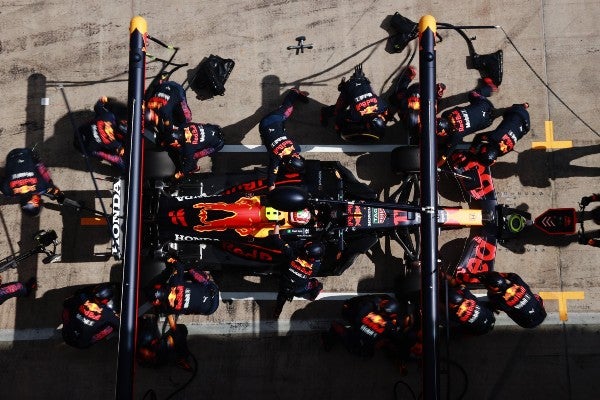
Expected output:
(588, 239)
(297, 277)
(283, 151)
(88, 316)
(16, 289)
(509, 293)
(156, 350)
(28, 178)
(468, 313)
(408, 100)
(487, 146)
(359, 113)
(167, 107)
(190, 143)
(456, 123)
(373, 321)
(180, 291)
(104, 136)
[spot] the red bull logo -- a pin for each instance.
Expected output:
(514, 295)
(91, 310)
(242, 216)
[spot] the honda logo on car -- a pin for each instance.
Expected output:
(117, 208)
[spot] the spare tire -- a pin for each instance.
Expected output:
(158, 164)
(405, 159)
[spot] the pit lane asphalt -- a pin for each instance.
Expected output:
(83, 47)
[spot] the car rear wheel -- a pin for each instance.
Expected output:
(405, 159)
(158, 164)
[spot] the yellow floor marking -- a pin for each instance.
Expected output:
(562, 298)
(550, 143)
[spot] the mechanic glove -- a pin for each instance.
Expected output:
(178, 175)
(56, 194)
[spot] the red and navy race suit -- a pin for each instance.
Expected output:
(368, 328)
(194, 142)
(25, 175)
(274, 135)
(103, 137)
(518, 301)
(156, 350)
(86, 321)
(297, 277)
(466, 120)
(169, 107)
(588, 239)
(188, 291)
(408, 99)
(515, 124)
(13, 289)
(470, 314)
(357, 104)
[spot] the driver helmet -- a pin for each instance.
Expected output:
(300, 217)
(442, 127)
(31, 205)
(294, 162)
(313, 250)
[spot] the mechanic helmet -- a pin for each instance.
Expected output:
(442, 127)
(104, 292)
(300, 217)
(377, 125)
(493, 281)
(31, 205)
(488, 154)
(413, 119)
(389, 305)
(313, 250)
(294, 162)
(455, 298)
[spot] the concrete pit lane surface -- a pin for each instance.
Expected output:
(75, 52)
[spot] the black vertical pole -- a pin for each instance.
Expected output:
(131, 259)
(429, 239)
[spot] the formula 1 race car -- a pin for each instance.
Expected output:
(224, 221)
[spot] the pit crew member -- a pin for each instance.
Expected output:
(28, 179)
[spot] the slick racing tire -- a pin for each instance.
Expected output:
(405, 159)
(158, 164)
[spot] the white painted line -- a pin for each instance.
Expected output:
(229, 296)
(311, 148)
(281, 327)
